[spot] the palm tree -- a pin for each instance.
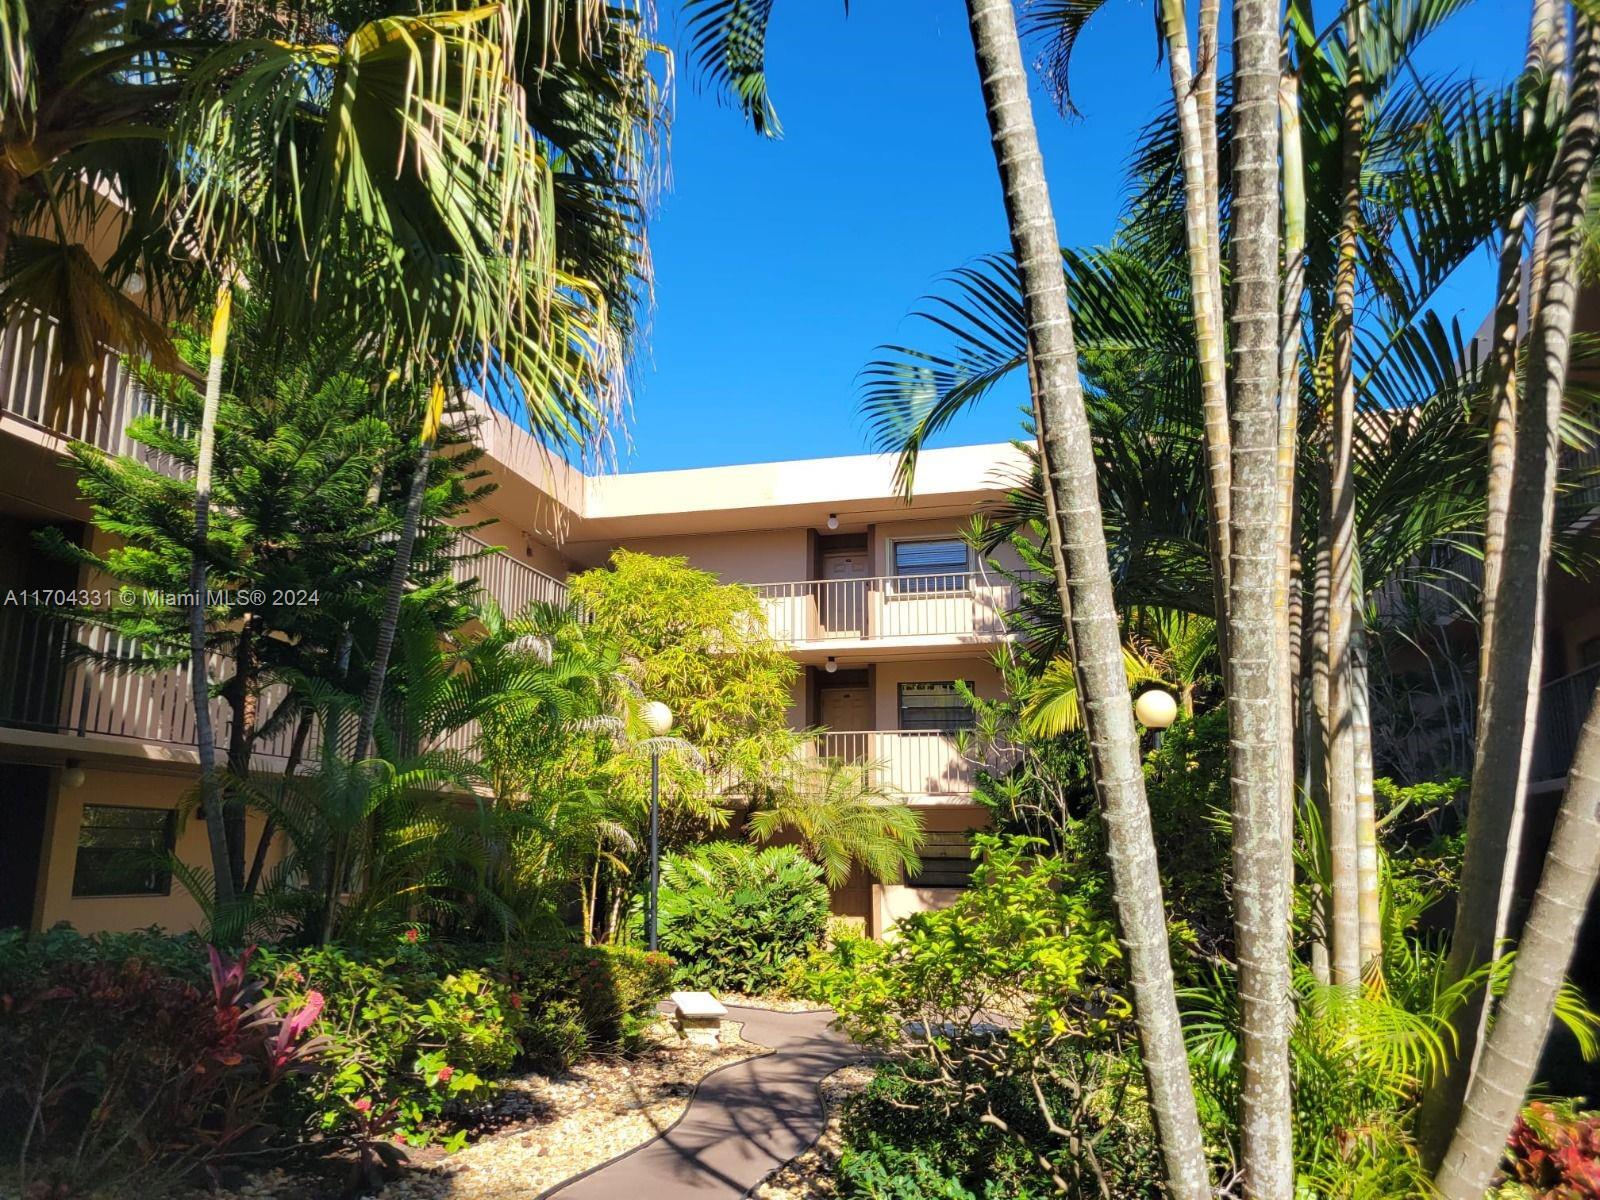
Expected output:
(86, 89)
(843, 816)
(453, 262)
(1067, 457)
(1508, 689)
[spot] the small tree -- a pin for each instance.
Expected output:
(701, 647)
(308, 495)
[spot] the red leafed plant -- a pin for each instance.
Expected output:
(1555, 1152)
(119, 1070)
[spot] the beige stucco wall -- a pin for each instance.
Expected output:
(754, 556)
(95, 914)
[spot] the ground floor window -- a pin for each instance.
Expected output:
(935, 706)
(123, 851)
(946, 861)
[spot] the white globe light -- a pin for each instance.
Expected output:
(133, 285)
(72, 776)
(657, 717)
(1155, 709)
(833, 520)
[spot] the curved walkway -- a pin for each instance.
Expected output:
(744, 1122)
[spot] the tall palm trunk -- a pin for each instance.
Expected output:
(1508, 688)
(200, 679)
(1369, 898)
(1511, 1053)
(1108, 715)
(1256, 705)
(399, 573)
(1315, 726)
(1286, 596)
(1340, 519)
(1206, 303)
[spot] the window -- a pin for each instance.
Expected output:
(122, 851)
(946, 861)
(930, 566)
(936, 706)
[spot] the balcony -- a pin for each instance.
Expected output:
(913, 763)
(45, 690)
(967, 606)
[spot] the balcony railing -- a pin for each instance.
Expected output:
(960, 604)
(512, 583)
(1563, 705)
(45, 688)
(912, 762)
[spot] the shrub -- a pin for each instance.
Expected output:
(735, 918)
(405, 1038)
(119, 1070)
(1005, 1005)
(1554, 1154)
(613, 989)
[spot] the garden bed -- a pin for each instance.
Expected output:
(811, 1176)
(547, 1129)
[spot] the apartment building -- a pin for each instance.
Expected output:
(878, 599)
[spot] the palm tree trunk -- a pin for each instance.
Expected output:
(1286, 597)
(1339, 503)
(399, 573)
(1256, 703)
(1108, 715)
(1511, 1053)
(1369, 898)
(1509, 681)
(200, 680)
(1315, 733)
(1206, 302)
(244, 701)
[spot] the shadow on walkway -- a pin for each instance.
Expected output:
(745, 1121)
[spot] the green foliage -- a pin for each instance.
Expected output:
(126, 1066)
(701, 647)
(614, 988)
(735, 918)
(1186, 783)
(1004, 1015)
(403, 1036)
(842, 816)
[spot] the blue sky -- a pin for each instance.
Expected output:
(781, 265)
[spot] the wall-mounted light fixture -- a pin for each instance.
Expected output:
(831, 665)
(72, 775)
(833, 520)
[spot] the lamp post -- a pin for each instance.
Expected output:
(658, 720)
(1156, 710)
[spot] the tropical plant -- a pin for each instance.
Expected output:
(996, 1007)
(843, 816)
(735, 918)
(309, 498)
(700, 647)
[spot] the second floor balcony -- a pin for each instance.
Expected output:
(962, 606)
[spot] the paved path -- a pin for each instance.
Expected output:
(744, 1122)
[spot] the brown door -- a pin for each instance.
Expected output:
(846, 713)
(843, 611)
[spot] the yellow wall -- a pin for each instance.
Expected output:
(96, 914)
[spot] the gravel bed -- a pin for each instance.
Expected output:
(811, 1176)
(549, 1129)
(775, 1002)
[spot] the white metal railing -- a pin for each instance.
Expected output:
(912, 762)
(961, 603)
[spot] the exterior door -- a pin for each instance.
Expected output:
(843, 610)
(846, 713)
